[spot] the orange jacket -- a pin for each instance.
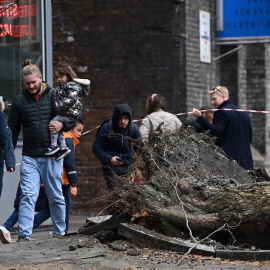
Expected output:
(69, 170)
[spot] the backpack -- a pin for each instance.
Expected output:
(131, 132)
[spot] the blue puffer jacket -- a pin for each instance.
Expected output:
(234, 133)
(118, 145)
(6, 148)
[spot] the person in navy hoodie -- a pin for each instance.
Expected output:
(112, 144)
(232, 128)
(6, 147)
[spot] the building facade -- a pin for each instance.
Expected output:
(132, 49)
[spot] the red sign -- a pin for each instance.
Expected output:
(18, 20)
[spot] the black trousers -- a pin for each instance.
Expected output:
(110, 172)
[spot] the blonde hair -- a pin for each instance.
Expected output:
(221, 91)
(29, 69)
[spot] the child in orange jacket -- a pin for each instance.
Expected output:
(69, 169)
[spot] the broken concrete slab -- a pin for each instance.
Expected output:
(110, 222)
(147, 238)
(97, 220)
(244, 255)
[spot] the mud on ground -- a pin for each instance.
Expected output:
(186, 170)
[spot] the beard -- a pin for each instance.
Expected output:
(38, 90)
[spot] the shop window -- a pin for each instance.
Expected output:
(21, 32)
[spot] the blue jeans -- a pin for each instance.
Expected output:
(1, 172)
(1, 180)
(34, 171)
(39, 218)
(11, 221)
(44, 214)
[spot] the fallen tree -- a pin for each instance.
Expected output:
(182, 185)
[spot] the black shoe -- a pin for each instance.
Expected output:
(51, 150)
(62, 153)
(58, 235)
(22, 238)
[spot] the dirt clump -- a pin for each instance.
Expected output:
(190, 185)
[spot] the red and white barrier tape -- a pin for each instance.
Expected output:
(186, 113)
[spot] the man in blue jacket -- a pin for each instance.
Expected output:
(232, 128)
(113, 144)
(6, 148)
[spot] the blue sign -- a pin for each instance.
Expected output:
(245, 19)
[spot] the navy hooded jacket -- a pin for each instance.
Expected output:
(118, 145)
(234, 133)
(6, 148)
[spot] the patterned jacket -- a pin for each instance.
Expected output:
(67, 99)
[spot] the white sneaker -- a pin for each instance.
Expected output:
(82, 81)
(4, 235)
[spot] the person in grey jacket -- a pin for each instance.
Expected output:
(157, 116)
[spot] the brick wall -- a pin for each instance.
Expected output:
(256, 92)
(129, 50)
(229, 74)
(267, 105)
(200, 77)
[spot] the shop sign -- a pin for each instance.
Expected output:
(18, 21)
(243, 19)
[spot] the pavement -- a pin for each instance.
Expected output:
(75, 222)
